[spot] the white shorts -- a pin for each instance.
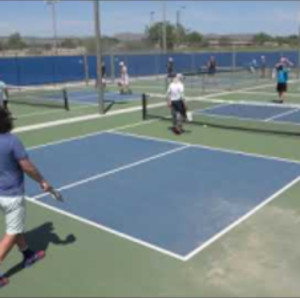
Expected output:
(124, 81)
(14, 210)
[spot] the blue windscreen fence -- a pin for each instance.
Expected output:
(59, 69)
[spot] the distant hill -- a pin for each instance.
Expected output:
(248, 36)
(127, 36)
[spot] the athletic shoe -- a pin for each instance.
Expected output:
(176, 130)
(39, 255)
(3, 281)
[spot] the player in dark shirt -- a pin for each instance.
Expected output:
(212, 65)
(170, 68)
(263, 66)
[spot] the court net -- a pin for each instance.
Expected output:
(49, 97)
(247, 115)
(227, 79)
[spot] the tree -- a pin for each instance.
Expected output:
(180, 34)
(154, 34)
(2, 46)
(261, 38)
(224, 41)
(107, 44)
(69, 43)
(194, 38)
(293, 40)
(15, 42)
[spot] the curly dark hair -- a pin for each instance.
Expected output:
(6, 121)
(279, 67)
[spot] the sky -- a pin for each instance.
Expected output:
(76, 18)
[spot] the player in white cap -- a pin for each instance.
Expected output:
(124, 79)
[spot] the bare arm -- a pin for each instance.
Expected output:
(31, 170)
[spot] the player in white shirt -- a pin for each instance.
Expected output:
(175, 95)
(124, 79)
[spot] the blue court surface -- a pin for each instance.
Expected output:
(167, 195)
(92, 97)
(271, 113)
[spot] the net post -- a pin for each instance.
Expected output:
(144, 106)
(66, 100)
(112, 67)
(86, 68)
(166, 83)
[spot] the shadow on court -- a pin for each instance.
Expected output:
(39, 239)
(111, 104)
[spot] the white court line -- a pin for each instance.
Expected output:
(42, 112)
(109, 230)
(258, 93)
(240, 220)
(221, 105)
(143, 87)
(120, 128)
(248, 118)
(150, 87)
(116, 129)
(290, 94)
(96, 116)
(123, 111)
(268, 93)
(74, 120)
(83, 104)
(74, 139)
(281, 115)
(236, 152)
(45, 112)
(148, 245)
(130, 238)
(101, 175)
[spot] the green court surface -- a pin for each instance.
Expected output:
(260, 257)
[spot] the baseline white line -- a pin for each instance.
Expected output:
(240, 220)
(126, 167)
(109, 230)
(281, 115)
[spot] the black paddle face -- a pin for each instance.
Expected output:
(56, 195)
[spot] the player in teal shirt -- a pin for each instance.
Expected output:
(282, 81)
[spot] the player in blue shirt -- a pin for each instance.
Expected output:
(282, 81)
(14, 162)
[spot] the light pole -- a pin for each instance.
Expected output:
(151, 18)
(178, 15)
(99, 62)
(53, 14)
(298, 66)
(178, 22)
(164, 28)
